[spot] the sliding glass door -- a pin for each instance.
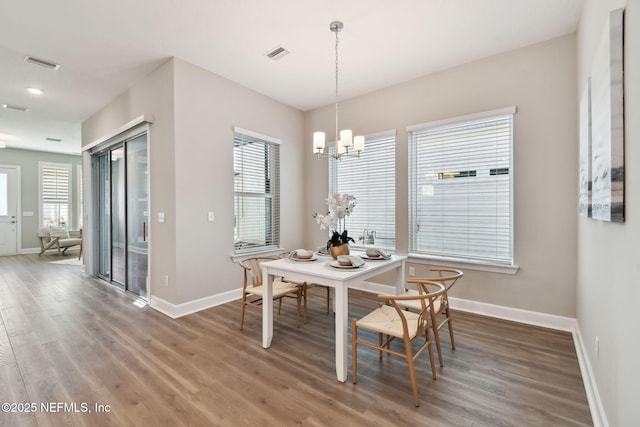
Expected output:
(137, 215)
(122, 188)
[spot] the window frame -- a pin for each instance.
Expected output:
(274, 195)
(494, 265)
(69, 167)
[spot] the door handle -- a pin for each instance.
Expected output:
(144, 231)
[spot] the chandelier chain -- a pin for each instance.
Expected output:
(337, 42)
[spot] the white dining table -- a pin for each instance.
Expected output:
(320, 272)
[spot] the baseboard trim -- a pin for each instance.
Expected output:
(178, 310)
(30, 251)
(598, 414)
(514, 314)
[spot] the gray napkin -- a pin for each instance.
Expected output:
(382, 253)
(354, 260)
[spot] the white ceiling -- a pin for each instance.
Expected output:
(105, 47)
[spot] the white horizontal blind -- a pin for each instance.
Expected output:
(256, 193)
(371, 178)
(460, 190)
(55, 194)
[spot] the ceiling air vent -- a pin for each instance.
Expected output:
(15, 107)
(42, 62)
(53, 139)
(277, 53)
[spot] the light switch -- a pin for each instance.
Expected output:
(211, 217)
(160, 216)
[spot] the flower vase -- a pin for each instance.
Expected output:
(342, 249)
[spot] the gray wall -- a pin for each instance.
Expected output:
(207, 107)
(608, 255)
(153, 98)
(28, 161)
(540, 81)
(191, 172)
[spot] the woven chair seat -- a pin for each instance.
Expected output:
(385, 319)
(279, 289)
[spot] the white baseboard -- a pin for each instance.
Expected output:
(547, 321)
(178, 310)
(515, 314)
(29, 251)
(598, 415)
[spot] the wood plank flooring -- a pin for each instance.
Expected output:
(68, 339)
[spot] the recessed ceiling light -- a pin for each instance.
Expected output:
(15, 107)
(42, 62)
(35, 90)
(53, 139)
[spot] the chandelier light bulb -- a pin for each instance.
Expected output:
(346, 136)
(318, 142)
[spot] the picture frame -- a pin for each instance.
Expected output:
(607, 123)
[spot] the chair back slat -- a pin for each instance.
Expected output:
(446, 276)
(426, 295)
(253, 269)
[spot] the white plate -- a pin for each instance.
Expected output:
(335, 264)
(378, 258)
(295, 258)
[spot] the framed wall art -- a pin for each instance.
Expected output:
(607, 123)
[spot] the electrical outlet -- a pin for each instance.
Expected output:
(412, 271)
(597, 348)
(211, 217)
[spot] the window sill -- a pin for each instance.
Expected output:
(263, 252)
(469, 265)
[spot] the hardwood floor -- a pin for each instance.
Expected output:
(68, 339)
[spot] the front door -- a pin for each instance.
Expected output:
(8, 211)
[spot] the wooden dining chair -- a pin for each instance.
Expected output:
(390, 321)
(252, 290)
(441, 310)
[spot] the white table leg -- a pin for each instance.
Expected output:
(267, 308)
(342, 329)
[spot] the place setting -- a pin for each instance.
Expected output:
(375, 255)
(302, 255)
(347, 262)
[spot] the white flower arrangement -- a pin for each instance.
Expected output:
(339, 207)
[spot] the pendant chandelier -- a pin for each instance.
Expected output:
(344, 138)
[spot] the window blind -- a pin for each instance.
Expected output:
(256, 193)
(460, 190)
(55, 191)
(371, 178)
